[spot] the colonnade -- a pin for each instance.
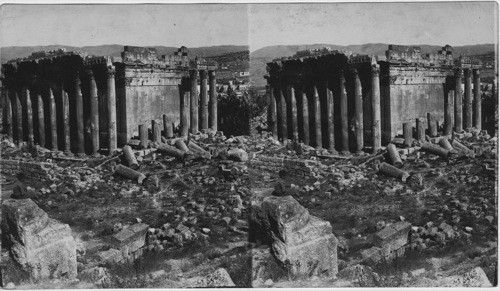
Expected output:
(199, 109)
(463, 110)
(312, 95)
(21, 103)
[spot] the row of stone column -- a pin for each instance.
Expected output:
(19, 109)
(280, 106)
(192, 111)
(455, 112)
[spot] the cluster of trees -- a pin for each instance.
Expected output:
(236, 112)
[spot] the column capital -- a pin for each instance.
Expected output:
(476, 72)
(354, 72)
(467, 73)
(341, 76)
(211, 74)
(203, 74)
(193, 74)
(77, 78)
(111, 72)
(375, 70)
(457, 72)
(272, 81)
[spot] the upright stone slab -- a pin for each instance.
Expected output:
(303, 244)
(42, 246)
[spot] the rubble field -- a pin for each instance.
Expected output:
(248, 211)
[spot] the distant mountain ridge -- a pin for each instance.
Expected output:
(114, 50)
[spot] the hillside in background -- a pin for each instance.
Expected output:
(231, 63)
(114, 50)
(260, 57)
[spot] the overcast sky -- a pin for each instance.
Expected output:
(257, 25)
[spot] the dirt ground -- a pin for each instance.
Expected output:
(214, 204)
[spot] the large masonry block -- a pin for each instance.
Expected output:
(303, 244)
(42, 246)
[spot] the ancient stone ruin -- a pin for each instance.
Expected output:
(41, 246)
(81, 104)
(344, 102)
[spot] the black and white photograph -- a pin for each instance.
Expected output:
(172, 145)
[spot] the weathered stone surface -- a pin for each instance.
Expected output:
(97, 275)
(393, 234)
(474, 278)
(371, 255)
(361, 274)
(237, 155)
(133, 237)
(285, 216)
(110, 256)
(44, 247)
(219, 278)
(316, 255)
(303, 244)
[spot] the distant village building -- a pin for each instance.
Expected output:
(79, 103)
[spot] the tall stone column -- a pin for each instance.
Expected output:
(272, 122)
(94, 114)
(41, 120)
(344, 120)
(66, 129)
(293, 105)
(204, 98)
(284, 120)
(194, 101)
(305, 116)
(329, 116)
(111, 90)
(376, 124)
(168, 130)
(458, 100)
(477, 100)
(358, 114)
(185, 107)
(155, 129)
(448, 112)
(8, 115)
(19, 117)
(80, 142)
(317, 118)
(28, 111)
(213, 100)
(53, 121)
(468, 98)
